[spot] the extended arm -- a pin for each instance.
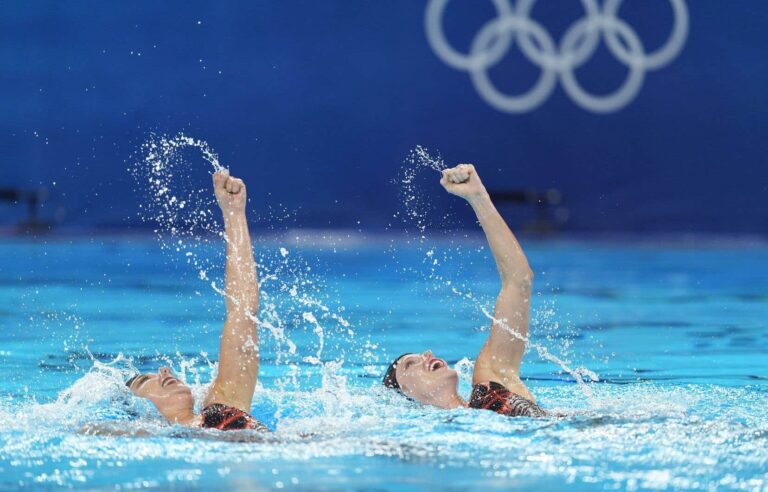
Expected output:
(500, 358)
(239, 350)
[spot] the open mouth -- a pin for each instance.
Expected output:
(437, 364)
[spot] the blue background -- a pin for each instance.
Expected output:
(318, 102)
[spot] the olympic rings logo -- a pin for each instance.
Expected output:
(578, 44)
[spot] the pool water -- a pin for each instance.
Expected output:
(674, 331)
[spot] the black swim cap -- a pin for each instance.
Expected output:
(390, 377)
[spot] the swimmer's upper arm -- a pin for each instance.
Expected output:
(238, 366)
(501, 355)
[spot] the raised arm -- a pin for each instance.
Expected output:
(239, 349)
(499, 360)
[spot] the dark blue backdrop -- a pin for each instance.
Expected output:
(318, 102)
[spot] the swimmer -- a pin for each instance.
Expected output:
(496, 382)
(228, 401)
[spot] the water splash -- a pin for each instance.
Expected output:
(181, 209)
(342, 430)
(442, 264)
(417, 207)
(186, 221)
(420, 156)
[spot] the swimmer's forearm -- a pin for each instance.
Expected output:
(510, 260)
(242, 287)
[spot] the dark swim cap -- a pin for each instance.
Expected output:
(390, 377)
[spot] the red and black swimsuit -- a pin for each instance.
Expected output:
(494, 396)
(224, 417)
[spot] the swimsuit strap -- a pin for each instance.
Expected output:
(224, 417)
(495, 397)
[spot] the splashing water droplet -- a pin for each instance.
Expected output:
(418, 210)
(186, 221)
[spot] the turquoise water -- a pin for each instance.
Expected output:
(676, 334)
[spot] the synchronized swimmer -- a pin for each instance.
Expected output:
(496, 382)
(421, 377)
(228, 402)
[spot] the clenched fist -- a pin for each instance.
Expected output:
(230, 192)
(463, 181)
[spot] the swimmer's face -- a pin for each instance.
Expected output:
(172, 398)
(426, 378)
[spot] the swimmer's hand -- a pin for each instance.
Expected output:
(463, 181)
(230, 192)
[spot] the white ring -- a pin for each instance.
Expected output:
(586, 50)
(443, 49)
(667, 52)
(543, 87)
(578, 44)
(630, 87)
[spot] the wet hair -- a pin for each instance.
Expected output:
(390, 377)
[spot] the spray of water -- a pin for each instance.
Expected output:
(185, 219)
(417, 211)
(417, 208)
(186, 222)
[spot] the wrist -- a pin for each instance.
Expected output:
(233, 216)
(482, 206)
(479, 198)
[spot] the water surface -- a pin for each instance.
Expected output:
(676, 334)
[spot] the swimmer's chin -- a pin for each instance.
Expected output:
(446, 373)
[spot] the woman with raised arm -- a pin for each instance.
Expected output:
(496, 383)
(228, 402)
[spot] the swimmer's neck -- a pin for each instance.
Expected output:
(451, 401)
(186, 418)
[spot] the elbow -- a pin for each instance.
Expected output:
(249, 303)
(244, 310)
(253, 304)
(520, 281)
(251, 308)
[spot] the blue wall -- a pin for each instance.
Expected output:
(318, 102)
